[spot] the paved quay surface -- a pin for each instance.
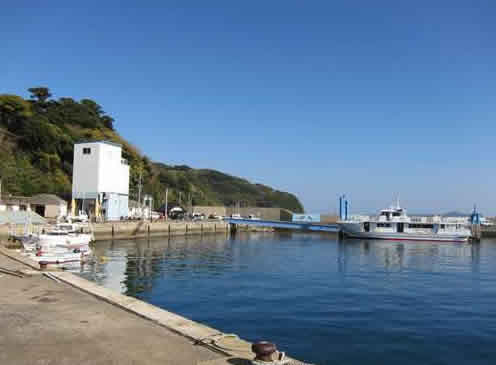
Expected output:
(43, 322)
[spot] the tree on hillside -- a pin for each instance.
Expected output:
(41, 94)
(108, 122)
(93, 106)
(97, 110)
(12, 109)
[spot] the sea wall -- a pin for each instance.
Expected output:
(139, 229)
(488, 231)
(116, 230)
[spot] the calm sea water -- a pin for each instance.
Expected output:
(319, 299)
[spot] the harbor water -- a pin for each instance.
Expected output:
(320, 299)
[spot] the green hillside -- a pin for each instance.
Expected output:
(36, 151)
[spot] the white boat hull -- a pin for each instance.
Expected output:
(60, 257)
(72, 239)
(352, 230)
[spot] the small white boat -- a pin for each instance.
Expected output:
(67, 234)
(62, 236)
(57, 238)
(60, 256)
(394, 224)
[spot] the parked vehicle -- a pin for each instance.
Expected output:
(155, 215)
(198, 216)
(176, 213)
(215, 217)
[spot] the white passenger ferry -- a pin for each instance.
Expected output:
(394, 224)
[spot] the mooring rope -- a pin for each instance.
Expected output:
(213, 340)
(216, 337)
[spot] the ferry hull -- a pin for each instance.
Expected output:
(352, 233)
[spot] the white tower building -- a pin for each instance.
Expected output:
(100, 180)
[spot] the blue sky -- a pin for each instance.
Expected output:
(318, 98)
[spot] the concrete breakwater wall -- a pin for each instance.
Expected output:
(488, 231)
(137, 229)
(116, 230)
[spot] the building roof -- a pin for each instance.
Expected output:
(46, 199)
(105, 142)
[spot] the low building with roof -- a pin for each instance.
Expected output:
(48, 205)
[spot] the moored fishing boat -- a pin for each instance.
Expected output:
(60, 256)
(63, 244)
(63, 234)
(394, 224)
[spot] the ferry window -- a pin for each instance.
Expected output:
(442, 226)
(86, 151)
(396, 214)
(425, 226)
(383, 224)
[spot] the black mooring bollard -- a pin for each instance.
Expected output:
(263, 350)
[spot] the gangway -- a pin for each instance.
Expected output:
(303, 226)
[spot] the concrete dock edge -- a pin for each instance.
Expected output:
(16, 256)
(194, 331)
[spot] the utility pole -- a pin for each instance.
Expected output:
(166, 202)
(190, 201)
(139, 194)
(0, 188)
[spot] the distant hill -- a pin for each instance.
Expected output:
(455, 214)
(37, 137)
(211, 187)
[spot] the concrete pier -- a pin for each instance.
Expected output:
(66, 319)
(45, 322)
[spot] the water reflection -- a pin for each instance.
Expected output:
(405, 255)
(133, 266)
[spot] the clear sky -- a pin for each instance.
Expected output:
(368, 98)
